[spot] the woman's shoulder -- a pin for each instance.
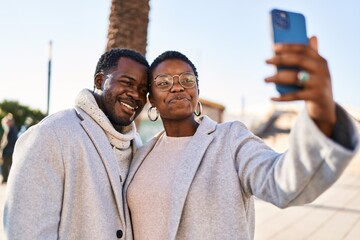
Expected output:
(205, 120)
(228, 130)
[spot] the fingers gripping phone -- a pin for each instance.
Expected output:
(288, 27)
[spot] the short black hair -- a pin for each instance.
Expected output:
(111, 58)
(170, 55)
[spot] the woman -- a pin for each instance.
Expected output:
(197, 179)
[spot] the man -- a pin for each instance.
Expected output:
(8, 141)
(69, 170)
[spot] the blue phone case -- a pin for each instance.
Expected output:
(288, 27)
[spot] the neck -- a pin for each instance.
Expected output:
(118, 128)
(99, 102)
(180, 128)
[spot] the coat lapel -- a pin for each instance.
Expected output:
(107, 156)
(140, 156)
(135, 164)
(187, 170)
(190, 162)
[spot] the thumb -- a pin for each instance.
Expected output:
(313, 43)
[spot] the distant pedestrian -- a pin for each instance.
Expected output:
(25, 126)
(7, 144)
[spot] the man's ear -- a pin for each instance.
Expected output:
(98, 80)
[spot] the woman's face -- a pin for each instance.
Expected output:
(178, 102)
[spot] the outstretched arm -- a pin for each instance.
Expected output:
(317, 91)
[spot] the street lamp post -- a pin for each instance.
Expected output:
(49, 78)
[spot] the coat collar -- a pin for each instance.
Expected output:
(107, 156)
(190, 162)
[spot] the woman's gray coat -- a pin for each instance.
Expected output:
(225, 165)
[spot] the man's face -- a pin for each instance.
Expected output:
(124, 92)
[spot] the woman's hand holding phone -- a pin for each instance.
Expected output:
(317, 91)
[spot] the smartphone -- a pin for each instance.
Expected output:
(288, 27)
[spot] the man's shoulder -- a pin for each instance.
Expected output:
(63, 119)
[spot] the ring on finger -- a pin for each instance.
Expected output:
(303, 77)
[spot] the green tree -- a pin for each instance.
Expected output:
(20, 113)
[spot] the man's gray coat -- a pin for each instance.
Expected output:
(71, 188)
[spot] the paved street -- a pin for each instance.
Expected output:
(335, 215)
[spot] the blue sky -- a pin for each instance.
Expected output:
(227, 40)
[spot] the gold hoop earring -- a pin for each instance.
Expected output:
(198, 113)
(149, 114)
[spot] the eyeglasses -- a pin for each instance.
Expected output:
(164, 82)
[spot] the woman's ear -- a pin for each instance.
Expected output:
(151, 99)
(98, 80)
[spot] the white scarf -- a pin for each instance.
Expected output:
(121, 142)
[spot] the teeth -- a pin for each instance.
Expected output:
(128, 106)
(179, 97)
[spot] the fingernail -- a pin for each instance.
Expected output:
(278, 46)
(269, 79)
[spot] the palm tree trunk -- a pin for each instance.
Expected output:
(128, 25)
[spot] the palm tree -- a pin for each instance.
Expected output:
(128, 25)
